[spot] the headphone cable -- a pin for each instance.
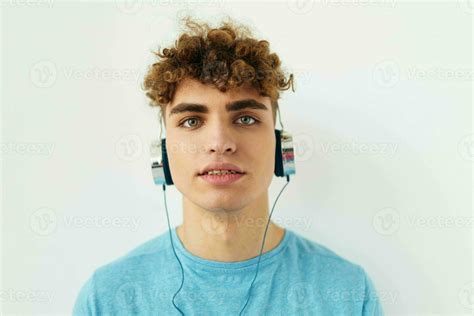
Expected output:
(259, 256)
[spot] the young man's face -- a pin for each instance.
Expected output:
(244, 138)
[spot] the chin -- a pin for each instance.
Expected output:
(220, 201)
(230, 204)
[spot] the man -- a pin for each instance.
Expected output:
(218, 91)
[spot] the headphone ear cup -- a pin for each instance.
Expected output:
(159, 163)
(284, 154)
(166, 168)
(278, 157)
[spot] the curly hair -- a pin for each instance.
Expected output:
(226, 57)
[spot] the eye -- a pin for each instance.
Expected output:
(191, 119)
(248, 117)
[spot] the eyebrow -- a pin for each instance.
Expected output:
(230, 107)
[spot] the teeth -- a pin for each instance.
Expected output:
(221, 172)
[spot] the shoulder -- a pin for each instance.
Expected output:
(136, 260)
(324, 264)
(336, 278)
(124, 274)
(317, 254)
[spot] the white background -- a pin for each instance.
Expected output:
(390, 76)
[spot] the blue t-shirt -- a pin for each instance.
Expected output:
(297, 277)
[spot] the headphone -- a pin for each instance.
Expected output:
(284, 167)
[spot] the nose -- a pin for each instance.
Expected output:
(220, 140)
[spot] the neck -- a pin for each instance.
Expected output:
(228, 236)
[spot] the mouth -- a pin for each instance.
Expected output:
(221, 178)
(220, 173)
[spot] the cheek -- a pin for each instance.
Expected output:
(263, 155)
(180, 159)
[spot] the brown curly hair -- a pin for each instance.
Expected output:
(225, 57)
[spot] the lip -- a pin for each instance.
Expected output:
(220, 166)
(221, 179)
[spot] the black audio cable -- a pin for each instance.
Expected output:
(258, 263)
